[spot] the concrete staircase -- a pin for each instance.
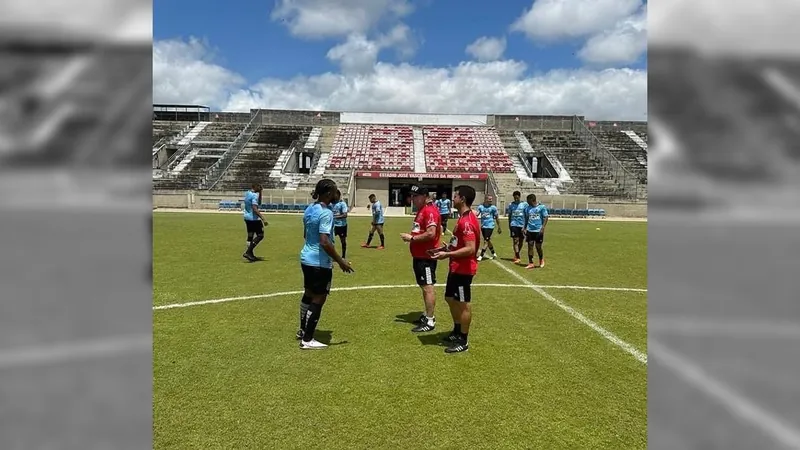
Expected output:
(419, 151)
(635, 138)
(188, 137)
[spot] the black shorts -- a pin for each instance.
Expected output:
(317, 279)
(444, 218)
(425, 271)
(254, 226)
(516, 232)
(487, 233)
(459, 287)
(340, 231)
(532, 237)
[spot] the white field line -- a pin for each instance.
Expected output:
(388, 286)
(690, 373)
(78, 350)
(611, 337)
(696, 326)
(734, 402)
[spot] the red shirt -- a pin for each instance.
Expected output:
(466, 230)
(427, 216)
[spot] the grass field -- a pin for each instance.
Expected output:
(230, 374)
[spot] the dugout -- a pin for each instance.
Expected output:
(392, 188)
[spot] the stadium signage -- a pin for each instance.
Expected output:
(436, 175)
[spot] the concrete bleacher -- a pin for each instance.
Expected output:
(373, 147)
(255, 162)
(626, 150)
(189, 167)
(167, 129)
(588, 174)
(465, 149)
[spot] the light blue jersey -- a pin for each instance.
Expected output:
(317, 220)
(377, 213)
(250, 200)
(487, 214)
(340, 208)
(516, 211)
(444, 206)
(534, 217)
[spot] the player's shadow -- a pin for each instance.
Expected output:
(507, 259)
(433, 339)
(326, 337)
(408, 317)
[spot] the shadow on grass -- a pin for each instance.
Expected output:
(326, 337)
(410, 317)
(433, 338)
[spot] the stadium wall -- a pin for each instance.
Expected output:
(210, 201)
(607, 125)
(471, 120)
(524, 122)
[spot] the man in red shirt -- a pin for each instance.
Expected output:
(423, 239)
(463, 254)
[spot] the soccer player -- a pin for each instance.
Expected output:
(462, 252)
(423, 239)
(340, 220)
(535, 221)
(316, 262)
(516, 222)
(377, 221)
(489, 218)
(444, 210)
(253, 220)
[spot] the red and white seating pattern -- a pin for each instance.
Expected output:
(373, 147)
(465, 149)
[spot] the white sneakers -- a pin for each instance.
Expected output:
(312, 345)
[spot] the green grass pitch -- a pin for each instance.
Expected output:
(230, 375)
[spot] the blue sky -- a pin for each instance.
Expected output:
(543, 57)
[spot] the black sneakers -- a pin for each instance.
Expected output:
(457, 347)
(425, 327)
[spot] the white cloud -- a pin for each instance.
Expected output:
(337, 18)
(184, 72)
(549, 20)
(624, 43)
(487, 48)
(358, 54)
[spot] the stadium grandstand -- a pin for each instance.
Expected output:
(205, 159)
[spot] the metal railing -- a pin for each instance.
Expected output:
(628, 181)
(493, 184)
(217, 170)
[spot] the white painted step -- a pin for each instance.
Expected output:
(636, 138)
(322, 164)
(193, 134)
(313, 138)
(185, 162)
(419, 151)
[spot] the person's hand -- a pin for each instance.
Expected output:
(499, 231)
(346, 267)
(265, 222)
(406, 237)
(441, 255)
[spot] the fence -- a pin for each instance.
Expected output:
(627, 180)
(219, 168)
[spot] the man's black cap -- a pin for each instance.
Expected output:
(418, 190)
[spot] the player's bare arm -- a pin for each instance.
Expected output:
(428, 235)
(468, 249)
(257, 213)
(330, 249)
